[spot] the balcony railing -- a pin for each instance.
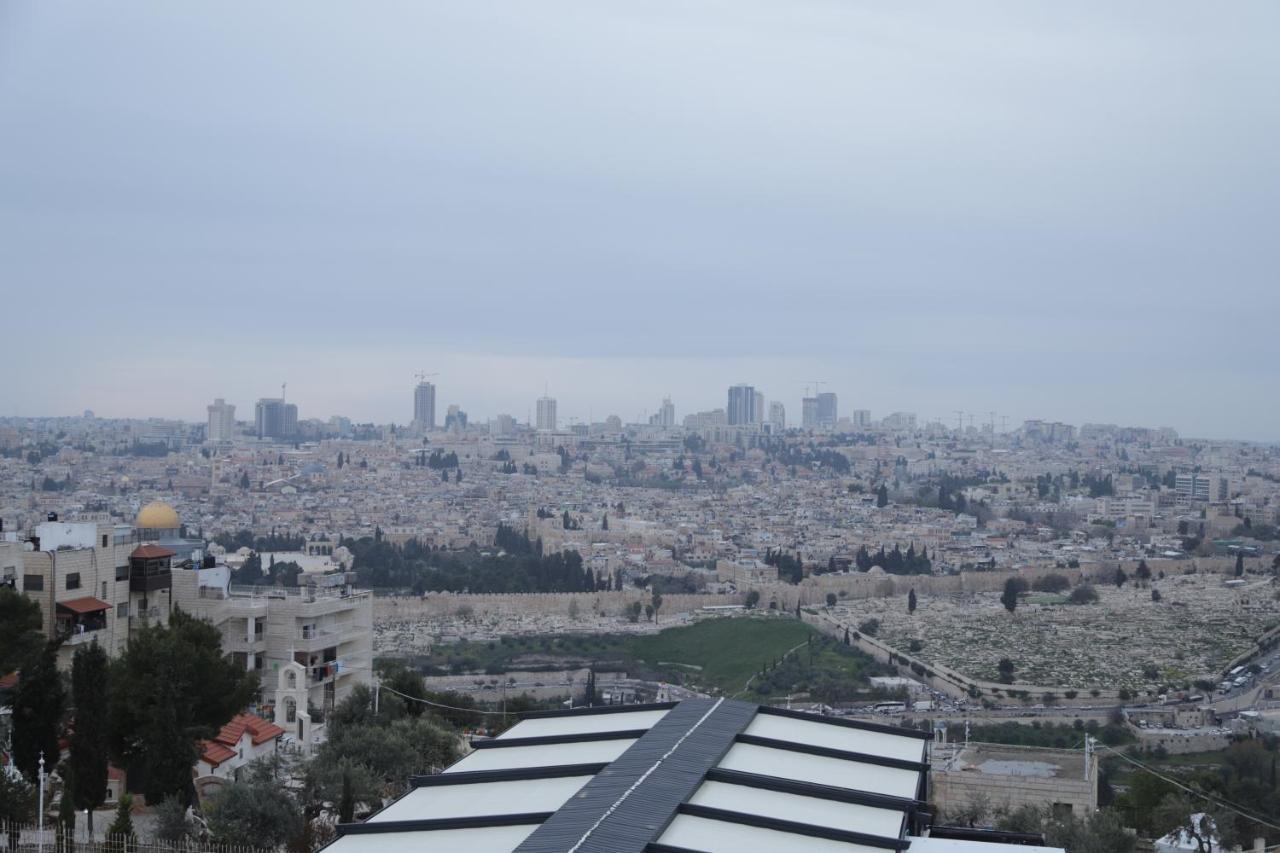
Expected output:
(83, 637)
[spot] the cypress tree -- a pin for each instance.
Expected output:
(38, 704)
(89, 735)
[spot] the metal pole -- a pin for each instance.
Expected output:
(40, 812)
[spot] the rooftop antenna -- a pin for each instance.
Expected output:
(959, 420)
(283, 385)
(992, 422)
(1004, 423)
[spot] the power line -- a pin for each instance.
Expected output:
(449, 707)
(1227, 804)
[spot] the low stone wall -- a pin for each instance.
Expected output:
(436, 605)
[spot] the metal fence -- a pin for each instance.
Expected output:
(27, 838)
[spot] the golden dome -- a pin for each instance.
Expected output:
(157, 515)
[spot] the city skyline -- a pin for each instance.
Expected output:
(829, 213)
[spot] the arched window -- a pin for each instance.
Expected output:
(290, 710)
(291, 680)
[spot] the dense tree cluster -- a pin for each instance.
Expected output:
(522, 568)
(274, 541)
(895, 562)
(790, 569)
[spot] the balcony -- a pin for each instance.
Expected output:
(150, 581)
(86, 636)
(241, 643)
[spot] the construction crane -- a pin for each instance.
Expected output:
(422, 376)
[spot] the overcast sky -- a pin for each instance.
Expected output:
(1058, 210)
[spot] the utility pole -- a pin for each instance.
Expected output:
(959, 420)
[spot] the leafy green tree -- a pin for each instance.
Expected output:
(90, 732)
(1239, 563)
(882, 496)
(38, 705)
(1083, 594)
(172, 825)
(171, 687)
(1204, 824)
(831, 599)
(390, 753)
(254, 814)
(753, 598)
(17, 805)
(20, 635)
(911, 600)
(589, 697)
(1006, 669)
(1120, 577)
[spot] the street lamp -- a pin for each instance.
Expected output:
(40, 813)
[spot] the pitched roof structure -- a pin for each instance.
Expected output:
(225, 742)
(701, 776)
(87, 604)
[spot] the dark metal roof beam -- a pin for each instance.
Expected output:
(513, 774)
(546, 740)
(385, 826)
(795, 828)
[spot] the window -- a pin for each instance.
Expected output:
(104, 590)
(122, 610)
(73, 580)
(122, 572)
(33, 583)
(104, 540)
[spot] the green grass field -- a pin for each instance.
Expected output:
(715, 656)
(728, 651)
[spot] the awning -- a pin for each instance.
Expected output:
(88, 604)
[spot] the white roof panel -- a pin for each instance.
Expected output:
(715, 836)
(949, 845)
(546, 755)
(811, 810)
(584, 724)
(486, 839)
(483, 798)
(820, 770)
(837, 737)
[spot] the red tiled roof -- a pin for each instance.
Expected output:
(88, 604)
(148, 552)
(215, 753)
(223, 744)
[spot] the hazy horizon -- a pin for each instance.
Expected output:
(1057, 212)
